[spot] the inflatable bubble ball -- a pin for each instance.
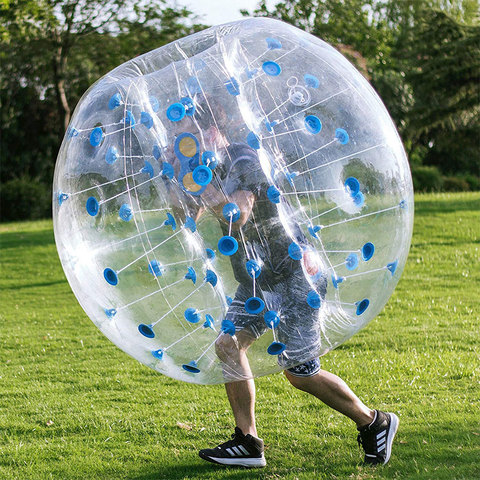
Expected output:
(239, 190)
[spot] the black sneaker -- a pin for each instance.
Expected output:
(376, 438)
(242, 450)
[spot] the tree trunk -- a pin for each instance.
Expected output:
(59, 63)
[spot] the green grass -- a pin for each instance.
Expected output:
(73, 406)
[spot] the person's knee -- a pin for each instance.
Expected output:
(300, 376)
(227, 348)
(301, 383)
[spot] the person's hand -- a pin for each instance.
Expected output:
(311, 262)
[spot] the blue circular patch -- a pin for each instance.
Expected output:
(115, 101)
(342, 136)
(155, 268)
(168, 170)
(125, 212)
(129, 119)
(146, 119)
(273, 43)
(232, 86)
(313, 230)
(352, 186)
(148, 169)
(228, 327)
(367, 251)
(231, 212)
(271, 319)
(156, 152)
(211, 277)
(193, 86)
(362, 306)
(177, 148)
(202, 175)
(111, 156)
(110, 312)
(187, 102)
(359, 199)
(295, 251)
(227, 245)
(110, 276)
(158, 354)
(351, 261)
(191, 367)
(170, 221)
(253, 268)
(175, 112)
(311, 81)
(271, 68)
(209, 159)
(314, 299)
(276, 348)
(313, 124)
(253, 140)
(210, 253)
(92, 206)
(191, 315)
(273, 194)
(154, 103)
(254, 305)
(146, 330)
(96, 137)
(191, 275)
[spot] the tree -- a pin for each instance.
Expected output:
(45, 34)
(52, 51)
(444, 73)
(422, 57)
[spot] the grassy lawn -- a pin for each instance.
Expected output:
(73, 406)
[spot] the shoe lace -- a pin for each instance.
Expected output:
(231, 443)
(366, 440)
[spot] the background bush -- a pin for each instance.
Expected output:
(24, 198)
(427, 179)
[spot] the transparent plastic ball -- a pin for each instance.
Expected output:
(232, 204)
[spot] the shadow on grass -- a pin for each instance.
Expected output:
(26, 239)
(446, 205)
(34, 285)
(197, 470)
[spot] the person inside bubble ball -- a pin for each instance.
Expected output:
(282, 284)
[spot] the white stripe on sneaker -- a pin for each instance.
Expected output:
(229, 451)
(381, 434)
(237, 451)
(243, 449)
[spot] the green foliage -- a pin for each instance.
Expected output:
(455, 184)
(73, 406)
(52, 51)
(427, 179)
(24, 198)
(422, 56)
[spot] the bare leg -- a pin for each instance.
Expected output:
(335, 393)
(241, 395)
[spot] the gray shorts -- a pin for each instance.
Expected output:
(299, 327)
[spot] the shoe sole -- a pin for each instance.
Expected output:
(394, 421)
(237, 462)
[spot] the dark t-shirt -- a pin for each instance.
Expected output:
(264, 235)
